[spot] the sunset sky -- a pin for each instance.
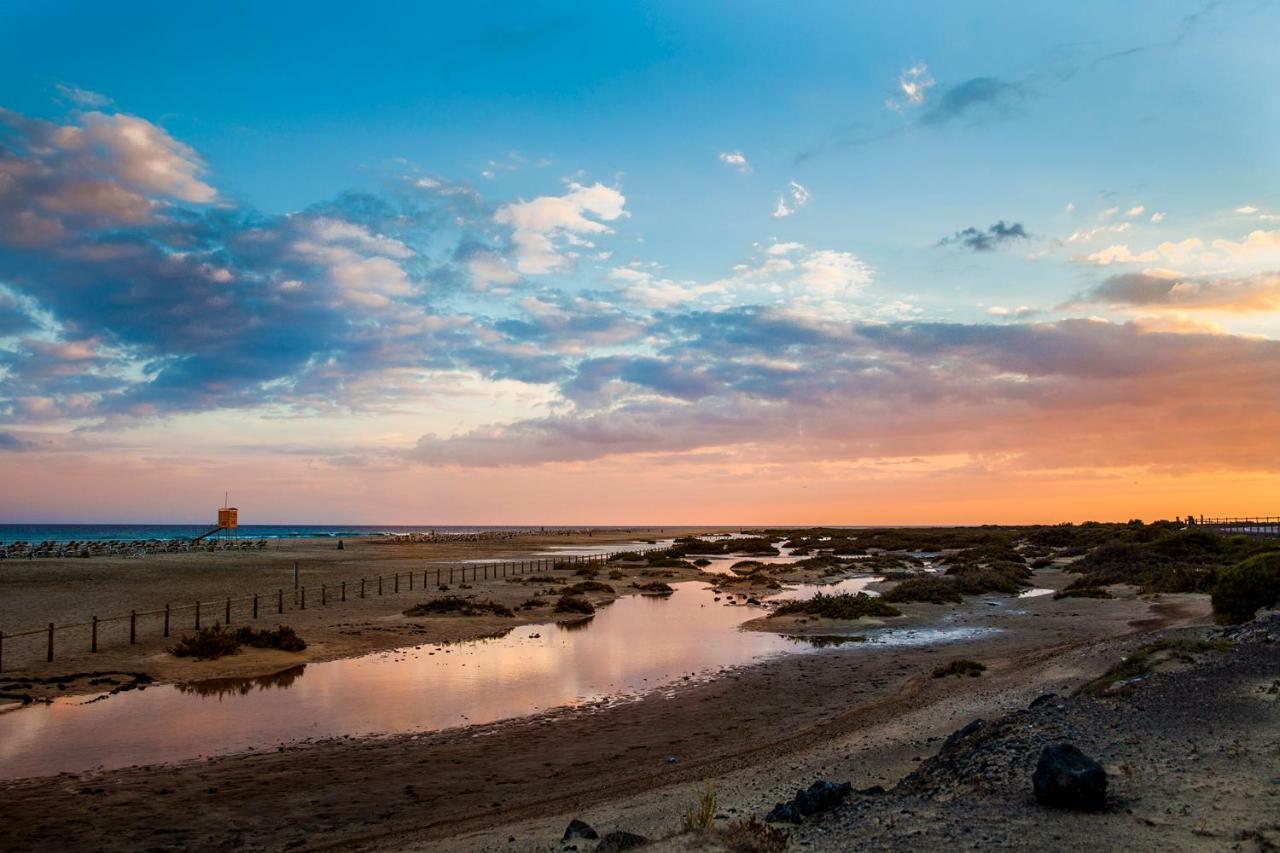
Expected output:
(664, 262)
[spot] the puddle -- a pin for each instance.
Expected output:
(636, 645)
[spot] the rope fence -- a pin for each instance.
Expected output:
(1258, 525)
(100, 631)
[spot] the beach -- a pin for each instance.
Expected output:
(864, 711)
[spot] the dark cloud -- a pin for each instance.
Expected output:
(988, 240)
(972, 97)
(1244, 294)
(11, 443)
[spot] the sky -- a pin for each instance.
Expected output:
(570, 263)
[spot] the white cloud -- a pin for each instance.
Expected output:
(82, 97)
(913, 87)
(1119, 254)
(1247, 210)
(829, 274)
(736, 159)
(783, 248)
(1157, 217)
(538, 225)
(643, 288)
(1070, 208)
(1108, 213)
(1137, 210)
(488, 268)
(799, 198)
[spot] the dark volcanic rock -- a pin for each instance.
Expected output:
(819, 797)
(620, 840)
(579, 829)
(1066, 778)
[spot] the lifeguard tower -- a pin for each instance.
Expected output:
(228, 523)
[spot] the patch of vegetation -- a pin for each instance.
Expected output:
(217, 641)
(974, 579)
(532, 603)
(823, 641)
(700, 816)
(655, 588)
(755, 580)
(1144, 661)
(587, 586)
(617, 575)
(544, 579)
(932, 589)
(1242, 590)
(452, 605)
(1181, 561)
(845, 605)
(752, 835)
(701, 562)
(963, 666)
(587, 571)
(1075, 591)
(573, 604)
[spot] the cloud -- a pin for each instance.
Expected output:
(974, 97)
(798, 198)
(913, 87)
(1022, 312)
(988, 240)
(1048, 395)
(82, 97)
(541, 226)
(10, 443)
(1118, 254)
(1137, 210)
(1158, 217)
(1167, 290)
(735, 159)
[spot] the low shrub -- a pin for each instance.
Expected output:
(217, 641)
(699, 817)
(617, 575)
(928, 588)
(1077, 590)
(573, 604)
(845, 605)
(532, 603)
(1242, 590)
(752, 835)
(655, 587)
(452, 605)
(587, 586)
(964, 666)
(1142, 662)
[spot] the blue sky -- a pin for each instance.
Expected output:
(997, 170)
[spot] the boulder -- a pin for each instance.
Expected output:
(620, 840)
(579, 829)
(818, 797)
(1066, 778)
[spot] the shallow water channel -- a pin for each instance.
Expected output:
(633, 646)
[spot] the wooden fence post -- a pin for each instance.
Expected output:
(228, 619)
(279, 601)
(397, 583)
(344, 590)
(379, 584)
(1, 651)
(324, 595)
(166, 620)
(133, 627)
(93, 640)
(197, 616)
(255, 606)
(50, 654)
(362, 587)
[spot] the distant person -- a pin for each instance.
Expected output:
(341, 546)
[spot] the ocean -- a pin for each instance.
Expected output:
(130, 532)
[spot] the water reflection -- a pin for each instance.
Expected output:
(636, 645)
(220, 687)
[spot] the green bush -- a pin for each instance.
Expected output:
(928, 588)
(572, 604)
(452, 605)
(1243, 589)
(844, 605)
(587, 586)
(215, 642)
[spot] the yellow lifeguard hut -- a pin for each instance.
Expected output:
(228, 523)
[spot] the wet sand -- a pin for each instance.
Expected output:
(761, 731)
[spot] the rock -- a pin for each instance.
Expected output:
(1066, 778)
(579, 829)
(958, 735)
(819, 797)
(620, 840)
(1043, 699)
(872, 791)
